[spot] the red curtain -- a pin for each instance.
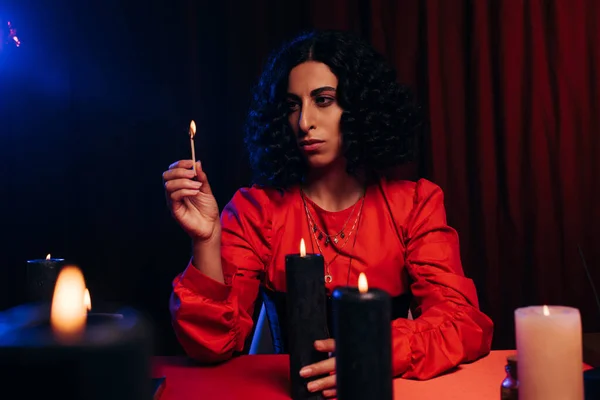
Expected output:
(512, 93)
(513, 97)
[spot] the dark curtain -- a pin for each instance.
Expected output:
(513, 96)
(96, 103)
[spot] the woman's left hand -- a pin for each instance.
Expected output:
(327, 384)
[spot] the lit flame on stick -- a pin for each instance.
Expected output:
(546, 310)
(302, 248)
(192, 129)
(192, 132)
(48, 256)
(68, 314)
(363, 285)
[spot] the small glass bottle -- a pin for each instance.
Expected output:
(509, 389)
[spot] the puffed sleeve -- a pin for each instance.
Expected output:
(212, 320)
(448, 328)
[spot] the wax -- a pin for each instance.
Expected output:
(306, 317)
(549, 353)
(362, 330)
(41, 278)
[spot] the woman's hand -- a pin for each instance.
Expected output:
(327, 384)
(191, 201)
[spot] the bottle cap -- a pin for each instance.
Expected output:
(512, 365)
(512, 359)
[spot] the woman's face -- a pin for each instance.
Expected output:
(314, 113)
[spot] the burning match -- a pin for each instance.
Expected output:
(192, 133)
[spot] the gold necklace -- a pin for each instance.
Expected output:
(322, 234)
(328, 277)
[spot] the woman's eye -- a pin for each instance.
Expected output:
(323, 101)
(292, 105)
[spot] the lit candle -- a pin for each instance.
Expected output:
(306, 316)
(549, 353)
(58, 351)
(362, 331)
(41, 278)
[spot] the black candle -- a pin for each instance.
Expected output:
(105, 358)
(41, 278)
(306, 316)
(362, 331)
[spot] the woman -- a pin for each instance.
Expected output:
(327, 125)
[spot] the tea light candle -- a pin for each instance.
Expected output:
(549, 352)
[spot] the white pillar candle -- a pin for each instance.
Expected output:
(549, 353)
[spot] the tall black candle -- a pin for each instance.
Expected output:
(41, 278)
(307, 316)
(362, 331)
(75, 355)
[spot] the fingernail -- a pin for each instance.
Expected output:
(312, 386)
(304, 372)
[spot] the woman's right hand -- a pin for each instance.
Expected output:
(191, 201)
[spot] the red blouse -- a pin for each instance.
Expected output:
(402, 243)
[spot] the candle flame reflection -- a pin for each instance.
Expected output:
(302, 248)
(48, 256)
(87, 300)
(546, 310)
(363, 285)
(68, 314)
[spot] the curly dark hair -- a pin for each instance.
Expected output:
(379, 122)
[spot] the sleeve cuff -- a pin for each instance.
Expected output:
(401, 347)
(203, 285)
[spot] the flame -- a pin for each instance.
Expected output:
(363, 285)
(302, 248)
(48, 256)
(87, 300)
(68, 314)
(192, 129)
(546, 310)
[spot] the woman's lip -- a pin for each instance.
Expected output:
(312, 147)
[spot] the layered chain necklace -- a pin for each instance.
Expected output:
(320, 235)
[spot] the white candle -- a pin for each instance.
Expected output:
(549, 353)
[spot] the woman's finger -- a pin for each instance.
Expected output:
(178, 173)
(203, 178)
(322, 384)
(185, 164)
(327, 345)
(178, 184)
(183, 193)
(320, 368)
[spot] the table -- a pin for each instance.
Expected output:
(266, 377)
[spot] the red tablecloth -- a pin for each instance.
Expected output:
(266, 377)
